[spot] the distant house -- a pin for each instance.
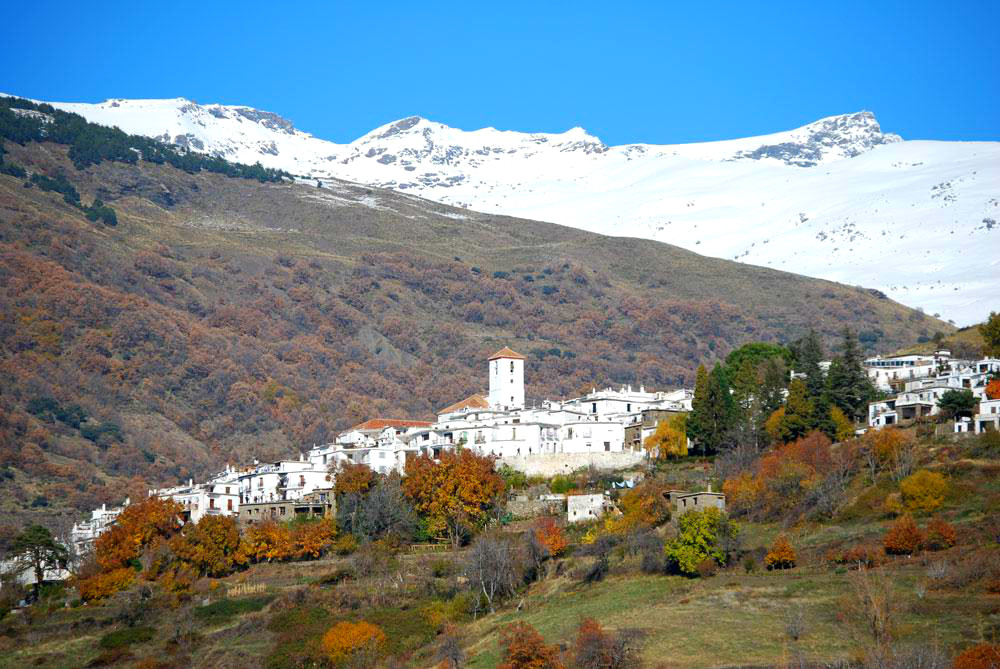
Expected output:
(988, 417)
(315, 504)
(699, 501)
(580, 508)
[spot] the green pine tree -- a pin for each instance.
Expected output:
(848, 385)
(698, 415)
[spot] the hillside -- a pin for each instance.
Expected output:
(223, 319)
(844, 603)
(838, 198)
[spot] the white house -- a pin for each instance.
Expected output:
(85, 533)
(219, 496)
(581, 508)
(282, 480)
(988, 417)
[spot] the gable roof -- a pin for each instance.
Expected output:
(382, 423)
(471, 402)
(507, 353)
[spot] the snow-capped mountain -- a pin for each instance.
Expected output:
(837, 199)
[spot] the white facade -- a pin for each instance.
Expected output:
(506, 380)
(988, 417)
(282, 480)
(85, 533)
(918, 396)
(219, 496)
(581, 508)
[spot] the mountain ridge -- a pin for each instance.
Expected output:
(837, 198)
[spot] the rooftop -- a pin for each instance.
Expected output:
(506, 353)
(382, 423)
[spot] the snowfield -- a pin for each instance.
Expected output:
(837, 199)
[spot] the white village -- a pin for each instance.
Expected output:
(603, 429)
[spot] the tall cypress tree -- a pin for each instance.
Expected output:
(848, 384)
(721, 412)
(698, 416)
(809, 353)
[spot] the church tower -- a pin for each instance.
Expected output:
(506, 380)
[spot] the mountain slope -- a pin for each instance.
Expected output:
(837, 199)
(224, 319)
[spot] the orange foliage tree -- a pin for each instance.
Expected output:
(136, 528)
(454, 493)
(211, 546)
(904, 537)
(351, 478)
(266, 542)
(980, 656)
(550, 535)
(940, 535)
(522, 647)
(781, 555)
(104, 584)
(311, 539)
(359, 641)
(993, 389)
(742, 493)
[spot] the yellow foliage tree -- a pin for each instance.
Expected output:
(105, 584)
(781, 555)
(211, 546)
(360, 641)
(844, 428)
(924, 490)
(266, 542)
(773, 424)
(670, 438)
(138, 526)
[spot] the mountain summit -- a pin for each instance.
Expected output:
(837, 198)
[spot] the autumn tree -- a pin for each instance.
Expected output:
(382, 511)
(138, 526)
(357, 644)
(940, 535)
(522, 647)
(644, 506)
(669, 440)
(351, 478)
(993, 389)
(550, 535)
(698, 539)
(980, 656)
(924, 490)
(311, 538)
(210, 546)
(903, 537)
(454, 493)
(781, 554)
(266, 542)
(596, 648)
(36, 549)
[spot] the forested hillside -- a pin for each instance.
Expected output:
(218, 319)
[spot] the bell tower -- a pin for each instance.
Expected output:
(506, 380)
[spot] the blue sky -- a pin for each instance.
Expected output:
(626, 71)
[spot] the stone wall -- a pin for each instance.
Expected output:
(550, 464)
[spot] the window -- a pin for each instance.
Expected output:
(211, 503)
(302, 480)
(227, 490)
(628, 408)
(511, 366)
(607, 445)
(593, 408)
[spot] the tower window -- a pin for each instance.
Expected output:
(511, 366)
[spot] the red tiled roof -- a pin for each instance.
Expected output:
(470, 402)
(507, 353)
(382, 423)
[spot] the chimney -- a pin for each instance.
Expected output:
(709, 488)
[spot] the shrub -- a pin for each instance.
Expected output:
(924, 490)
(982, 656)
(781, 555)
(904, 537)
(361, 641)
(224, 609)
(522, 647)
(105, 584)
(940, 535)
(698, 540)
(749, 564)
(707, 568)
(561, 484)
(859, 556)
(126, 637)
